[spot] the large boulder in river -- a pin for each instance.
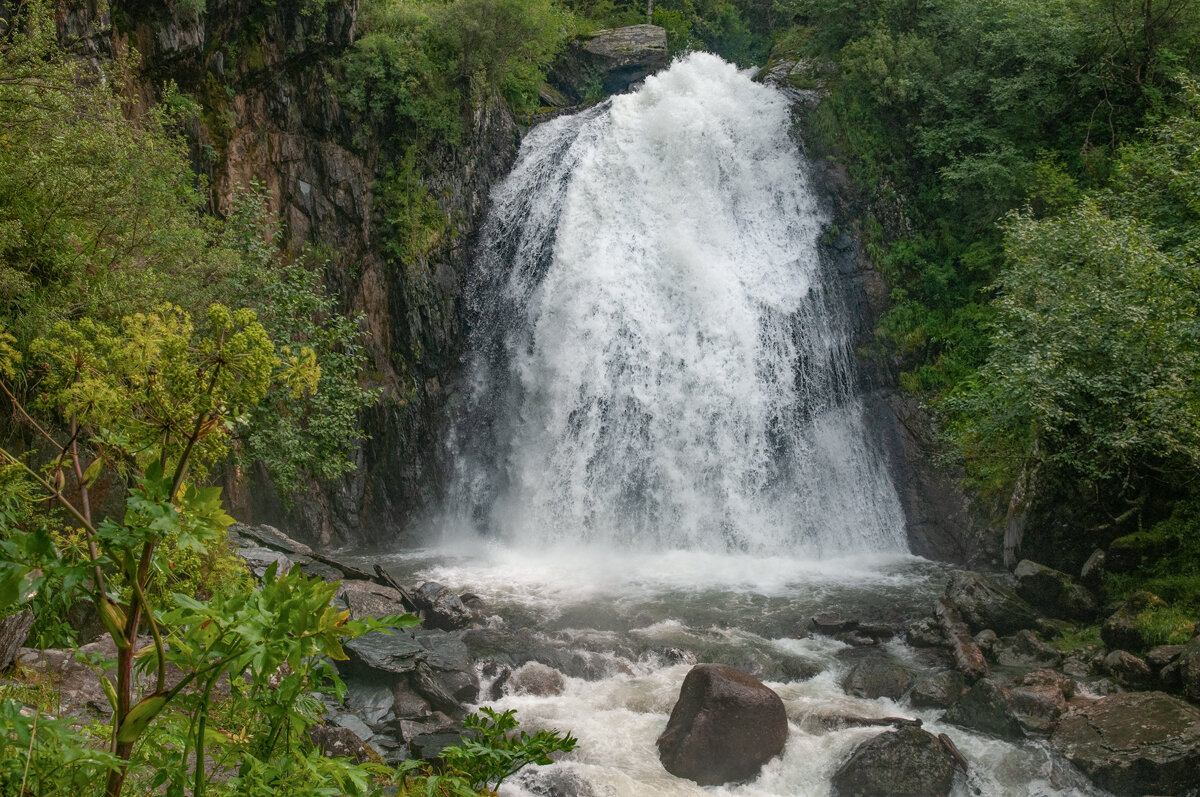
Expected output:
(441, 608)
(877, 677)
(725, 726)
(940, 690)
(1053, 592)
(1135, 743)
(987, 707)
(990, 601)
(908, 762)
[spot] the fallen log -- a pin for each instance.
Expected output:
(834, 722)
(968, 658)
(953, 750)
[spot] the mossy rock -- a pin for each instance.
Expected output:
(1134, 551)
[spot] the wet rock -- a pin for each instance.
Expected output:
(610, 60)
(1135, 743)
(429, 746)
(79, 690)
(938, 691)
(473, 602)
(14, 630)
(444, 694)
(554, 782)
(986, 707)
(1064, 684)
(794, 668)
(267, 537)
(407, 703)
(1170, 678)
(902, 763)
(990, 601)
(1078, 664)
(537, 679)
(1128, 670)
(441, 608)
(830, 624)
(837, 722)
(494, 676)
(968, 656)
(370, 702)
(1053, 592)
(340, 742)
(1130, 552)
(394, 653)
(1163, 655)
(1189, 670)
(1092, 572)
(368, 599)
(435, 723)
(877, 677)
(1024, 649)
(725, 726)
(924, 633)
(1120, 630)
(986, 641)
(446, 651)
(1037, 707)
(259, 560)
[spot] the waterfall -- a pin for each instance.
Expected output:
(658, 358)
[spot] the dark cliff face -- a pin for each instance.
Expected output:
(262, 74)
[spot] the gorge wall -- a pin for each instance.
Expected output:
(262, 74)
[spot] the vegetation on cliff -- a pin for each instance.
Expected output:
(1030, 180)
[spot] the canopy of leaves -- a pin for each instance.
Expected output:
(1095, 365)
(102, 224)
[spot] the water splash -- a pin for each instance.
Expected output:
(658, 358)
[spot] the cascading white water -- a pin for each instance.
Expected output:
(658, 357)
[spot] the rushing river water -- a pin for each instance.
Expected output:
(626, 630)
(660, 458)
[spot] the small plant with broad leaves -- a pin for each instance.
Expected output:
(154, 403)
(492, 751)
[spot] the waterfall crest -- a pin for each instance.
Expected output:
(657, 357)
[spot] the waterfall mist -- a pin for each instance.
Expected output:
(658, 358)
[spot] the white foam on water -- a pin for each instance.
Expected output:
(618, 720)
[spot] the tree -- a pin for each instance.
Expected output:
(155, 400)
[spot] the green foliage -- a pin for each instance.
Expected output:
(1095, 354)
(157, 401)
(41, 755)
(1171, 571)
(497, 750)
(1094, 358)
(297, 435)
(99, 214)
(416, 225)
(950, 115)
(417, 72)
(492, 751)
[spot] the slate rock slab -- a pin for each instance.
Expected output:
(1135, 743)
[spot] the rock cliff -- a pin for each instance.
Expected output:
(261, 74)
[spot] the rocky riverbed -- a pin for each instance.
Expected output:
(974, 688)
